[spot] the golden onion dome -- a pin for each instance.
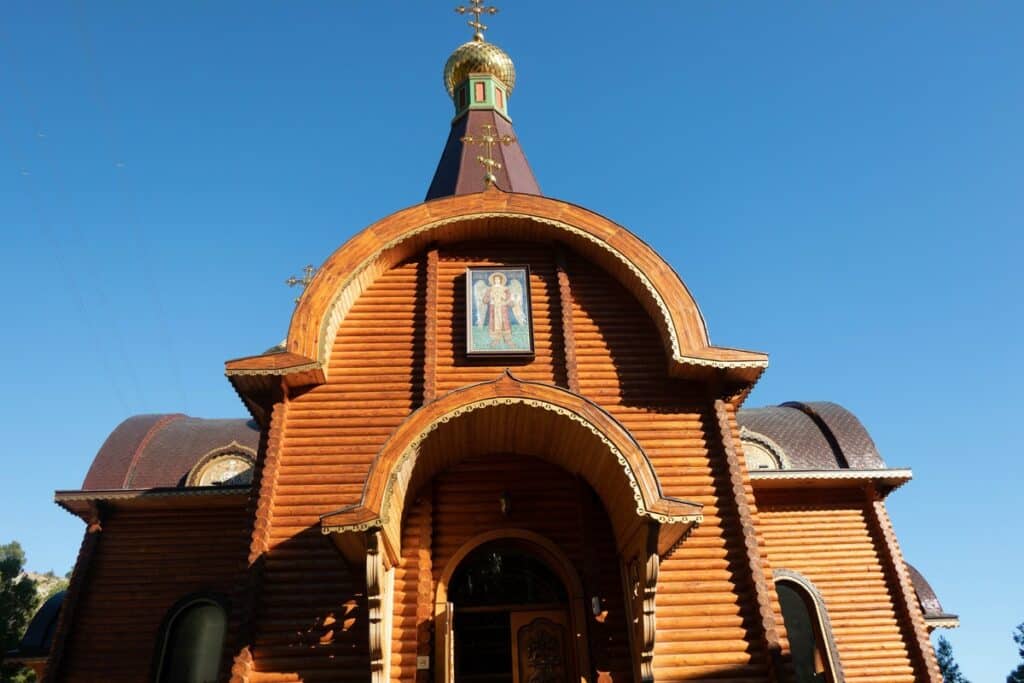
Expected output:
(478, 56)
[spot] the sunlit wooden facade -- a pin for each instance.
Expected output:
(610, 463)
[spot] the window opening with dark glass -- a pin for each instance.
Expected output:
(806, 642)
(491, 584)
(194, 644)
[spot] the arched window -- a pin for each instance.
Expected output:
(807, 626)
(759, 457)
(491, 590)
(193, 642)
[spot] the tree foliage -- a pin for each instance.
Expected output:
(947, 665)
(18, 601)
(20, 675)
(1017, 675)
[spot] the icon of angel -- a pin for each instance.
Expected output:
(498, 301)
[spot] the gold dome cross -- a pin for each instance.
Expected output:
(487, 139)
(476, 8)
(307, 277)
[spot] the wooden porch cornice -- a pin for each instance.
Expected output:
(624, 470)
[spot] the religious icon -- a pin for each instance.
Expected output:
(498, 321)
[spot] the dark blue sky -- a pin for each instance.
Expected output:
(839, 184)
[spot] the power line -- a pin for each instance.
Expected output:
(166, 338)
(71, 281)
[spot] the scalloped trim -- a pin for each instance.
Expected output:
(901, 475)
(340, 305)
(135, 494)
(314, 365)
(407, 459)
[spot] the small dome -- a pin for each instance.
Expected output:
(478, 56)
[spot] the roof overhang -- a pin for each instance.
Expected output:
(347, 273)
(885, 480)
(941, 621)
(86, 504)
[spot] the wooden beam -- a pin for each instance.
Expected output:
(425, 584)
(380, 591)
(902, 589)
(568, 331)
(640, 567)
(76, 587)
(430, 335)
(266, 473)
(754, 566)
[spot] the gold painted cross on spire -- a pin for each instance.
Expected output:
(476, 8)
(307, 277)
(487, 139)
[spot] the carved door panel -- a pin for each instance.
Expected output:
(540, 647)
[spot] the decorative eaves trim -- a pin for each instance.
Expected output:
(61, 497)
(277, 372)
(408, 459)
(890, 479)
(273, 371)
(720, 364)
(393, 462)
(337, 310)
(343, 298)
(900, 474)
(942, 621)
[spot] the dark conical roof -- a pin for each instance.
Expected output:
(459, 171)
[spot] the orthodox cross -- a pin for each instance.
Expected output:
(476, 8)
(307, 277)
(487, 139)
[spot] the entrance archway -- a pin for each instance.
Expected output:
(510, 608)
(565, 429)
(527, 419)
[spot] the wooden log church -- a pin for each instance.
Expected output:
(497, 445)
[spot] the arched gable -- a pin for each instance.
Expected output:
(575, 434)
(358, 263)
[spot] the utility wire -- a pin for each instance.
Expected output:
(71, 281)
(167, 340)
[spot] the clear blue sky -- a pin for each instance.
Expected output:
(839, 184)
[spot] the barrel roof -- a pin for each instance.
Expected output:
(930, 605)
(815, 435)
(153, 451)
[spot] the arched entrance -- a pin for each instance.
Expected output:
(501, 435)
(565, 429)
(510, 609)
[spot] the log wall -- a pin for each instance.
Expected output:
(707, 618)
(708, 623)
(453, 368)
(711, 616)
(312, 618)
(144, 562)
(832, 544)
(401, 345)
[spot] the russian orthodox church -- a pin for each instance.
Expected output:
(497, 445)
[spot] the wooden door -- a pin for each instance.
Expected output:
(541, 652)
